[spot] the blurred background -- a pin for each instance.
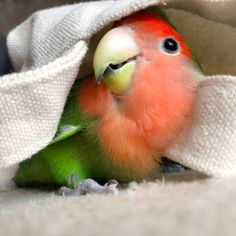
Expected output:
(13, 12)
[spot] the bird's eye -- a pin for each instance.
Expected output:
(170, 45)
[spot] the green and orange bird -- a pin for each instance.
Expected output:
(118, 123)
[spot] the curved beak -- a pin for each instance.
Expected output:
(117, 45)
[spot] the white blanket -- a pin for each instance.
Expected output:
(48, 48)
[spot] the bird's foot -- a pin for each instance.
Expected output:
(90, 186)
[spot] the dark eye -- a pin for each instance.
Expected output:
(170, 45)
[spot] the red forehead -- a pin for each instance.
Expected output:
(152, 24)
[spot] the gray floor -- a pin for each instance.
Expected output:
(166, 207)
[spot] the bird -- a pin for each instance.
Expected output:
(118, 122)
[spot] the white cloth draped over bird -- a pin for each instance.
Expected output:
(48, 48)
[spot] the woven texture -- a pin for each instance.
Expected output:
(210, 146)
(47, 50)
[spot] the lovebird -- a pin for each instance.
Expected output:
(118, 122)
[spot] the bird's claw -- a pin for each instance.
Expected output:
(90, 186)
